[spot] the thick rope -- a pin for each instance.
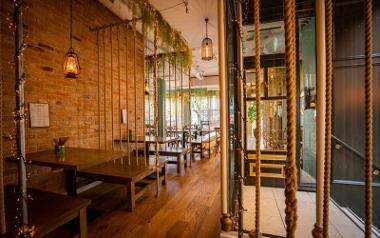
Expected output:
(290, 168)
(368, 117)
(328, 118)
(256, 9)
(2, 205)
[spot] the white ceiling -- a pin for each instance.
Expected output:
(191, 25)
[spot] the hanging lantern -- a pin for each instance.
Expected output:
(71, 67)
(207, 48)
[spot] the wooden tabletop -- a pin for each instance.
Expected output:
(131, 169)
(47, 211)
(204, 138)
(150, 139)
(73, 158)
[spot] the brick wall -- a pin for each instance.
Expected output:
(79, 107)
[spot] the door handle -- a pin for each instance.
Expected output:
(376, 172)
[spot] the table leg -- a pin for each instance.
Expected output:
(165, 172)
(179, 164)
(147, 150)
(71, 182)
(83, 223)
(131, 196)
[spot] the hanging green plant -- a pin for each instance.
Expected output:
(170, 40)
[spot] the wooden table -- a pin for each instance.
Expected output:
(200, 140)
(132, 172)
(72, 160)
(47, 211)
(149, 140)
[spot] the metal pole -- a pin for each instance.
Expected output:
(226, 219)
(20, 112)
(321, 105)
(238, 75)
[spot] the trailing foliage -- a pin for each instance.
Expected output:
(170, 39)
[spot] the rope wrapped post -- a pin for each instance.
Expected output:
(290, 168)
(328, 121)
(368, 117)
(20, 116)
(256, 9)
(156, 117)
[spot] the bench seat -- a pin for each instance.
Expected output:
(131, 172)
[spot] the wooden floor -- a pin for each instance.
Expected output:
(189, 206)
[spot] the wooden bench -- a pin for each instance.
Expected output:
(132, 172)
(176, 152)
(272, 165)
(47, 211)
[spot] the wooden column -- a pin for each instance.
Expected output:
(321, 104)
(225, 219)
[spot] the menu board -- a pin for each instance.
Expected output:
(39, 115)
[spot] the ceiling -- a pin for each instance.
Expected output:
(191, 25)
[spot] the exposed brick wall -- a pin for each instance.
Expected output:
(73, 104)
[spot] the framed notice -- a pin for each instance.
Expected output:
(124, 116)
(39, 115)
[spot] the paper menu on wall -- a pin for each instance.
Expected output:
(39, 115)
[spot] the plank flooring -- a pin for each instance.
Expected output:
(189, 206)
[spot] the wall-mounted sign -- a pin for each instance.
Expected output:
(124, 116)
(39, 115)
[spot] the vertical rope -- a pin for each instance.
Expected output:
(119, 78)
(135, 85)
(368, 117)
(98, 55)
(2, 205)
(170, 97)
(256, 9)
(156, 117)
(290, 168)
(112, 109)
(328, 122)
(175, 92)
(104, 91)
(126, 88)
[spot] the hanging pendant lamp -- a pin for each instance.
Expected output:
(207, 48)
(71, 67)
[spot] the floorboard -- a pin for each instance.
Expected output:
(189, 206)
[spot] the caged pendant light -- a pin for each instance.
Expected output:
(207, 48)
(71, 67)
